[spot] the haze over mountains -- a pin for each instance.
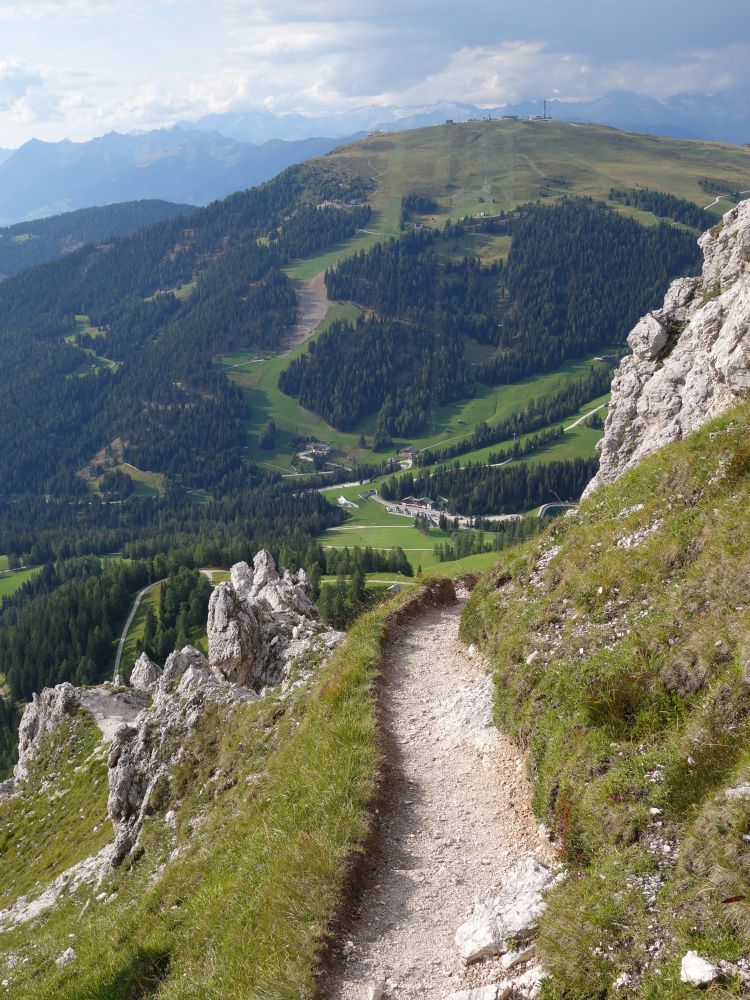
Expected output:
(175, 164)
(724, 117)
(197, 162)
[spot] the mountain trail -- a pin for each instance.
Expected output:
(459, 818)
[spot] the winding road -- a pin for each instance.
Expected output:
(116, 679)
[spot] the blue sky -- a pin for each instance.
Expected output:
(78, 68)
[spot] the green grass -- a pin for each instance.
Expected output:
(11, 582)
(508, 161)
(637, 699)
(135, 634)
(66, 820)
(447, 424)
(284, 790)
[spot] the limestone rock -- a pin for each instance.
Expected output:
(179, 662)
(42, 715)
(738, 792)
(255, 618)
(145, 673)
(68, 956)
(233, 634)
(496, 991)
(691, 358)
(509, 915)
(696, 971)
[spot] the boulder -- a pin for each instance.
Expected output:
(180, 661)
(696, 971)
(508, 916)
(145, 673)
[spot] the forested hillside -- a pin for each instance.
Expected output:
(28, 243)
(131, 369)
(578, 276)
(151, 383)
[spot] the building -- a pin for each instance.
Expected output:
(319, 448)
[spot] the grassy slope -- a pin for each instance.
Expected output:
(11, 582)
(637, 699)
(504, 161)
(282, 789)
(509, 161)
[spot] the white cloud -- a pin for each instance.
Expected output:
(80, 67)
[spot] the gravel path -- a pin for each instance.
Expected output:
(460, 818)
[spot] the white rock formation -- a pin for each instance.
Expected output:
(145, 673)
(262, 628)
(46, 711)
(68, 956)
(508, 916)
(691, 358)
(696, 971)
(254, 617)
(42, 715)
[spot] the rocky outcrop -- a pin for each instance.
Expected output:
(258, 621)
(43, 714)
(47, 711)
(262, 628)
(691, 358)
(145, 673)
(142, 754)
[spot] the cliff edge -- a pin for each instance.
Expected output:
(691, 358)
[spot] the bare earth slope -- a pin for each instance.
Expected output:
(460, 819)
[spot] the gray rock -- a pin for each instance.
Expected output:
(510, 915)
(43, 714)
(253, 618)
(496, 991)
(738, 792)
(234, 639)
(696, 971)
(180, 661)
(145, 673)
(691, 358)
(512, 958)
(68, 956)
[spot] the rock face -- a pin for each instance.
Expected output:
(42, 715)
(253, 619)
(691, 358)
(508, 916)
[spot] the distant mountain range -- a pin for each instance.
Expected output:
(198, 162)
(724, 117)
(176, 164)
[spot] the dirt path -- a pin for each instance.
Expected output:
(460, 818)
(312, 307)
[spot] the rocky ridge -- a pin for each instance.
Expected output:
(691, 358)
(263, 629)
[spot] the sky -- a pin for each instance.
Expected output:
(79, 68)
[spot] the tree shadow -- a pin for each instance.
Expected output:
(140, 976)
